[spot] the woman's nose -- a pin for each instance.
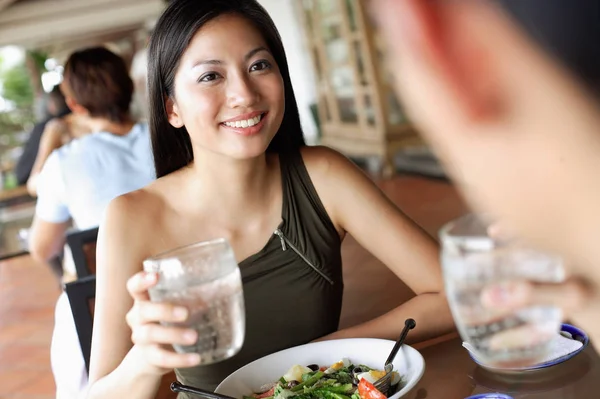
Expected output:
(241, 92)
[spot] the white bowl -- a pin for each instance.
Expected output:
(370, 352)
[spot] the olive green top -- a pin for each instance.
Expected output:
(293, 287)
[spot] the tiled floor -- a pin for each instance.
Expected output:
(28, 291)
(27, 296)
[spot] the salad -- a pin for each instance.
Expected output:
(341, 380)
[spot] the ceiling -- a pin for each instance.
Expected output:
(62, 25)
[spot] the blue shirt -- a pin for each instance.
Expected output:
(79, 179)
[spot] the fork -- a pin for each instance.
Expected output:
(383, 384)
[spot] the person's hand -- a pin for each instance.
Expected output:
(577, 299)
(152, 339)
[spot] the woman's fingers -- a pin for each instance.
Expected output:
(147, 334)
(148, 312)
(139, 284)
(167, 359)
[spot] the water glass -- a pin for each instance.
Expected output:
(206, 279)
(471, 261)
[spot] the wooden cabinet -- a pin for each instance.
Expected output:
(358, 112)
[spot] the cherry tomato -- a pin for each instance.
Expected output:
(366, 390)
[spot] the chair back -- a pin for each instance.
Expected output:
(82, 297)
(83, 248)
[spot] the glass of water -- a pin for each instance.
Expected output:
(206, 279)
(471, 261)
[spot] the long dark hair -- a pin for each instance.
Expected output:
(172, 35)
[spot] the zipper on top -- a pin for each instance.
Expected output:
(285, 243)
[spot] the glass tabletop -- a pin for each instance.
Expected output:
(451, 374)
(15, 221)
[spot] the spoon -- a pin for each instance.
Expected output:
(383, 384)
(178, 387)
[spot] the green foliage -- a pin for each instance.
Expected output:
(16, 86)
(17, 89)
(39, 59)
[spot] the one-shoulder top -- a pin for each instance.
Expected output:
(293, 287)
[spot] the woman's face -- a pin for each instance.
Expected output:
(229, 92)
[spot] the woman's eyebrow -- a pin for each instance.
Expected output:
(250, 54)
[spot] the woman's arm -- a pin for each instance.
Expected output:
(52, 138)
(115, 367)
(358, 207)
(130, 346)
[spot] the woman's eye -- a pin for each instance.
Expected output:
(208, 77)
(260, 65)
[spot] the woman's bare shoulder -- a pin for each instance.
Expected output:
(139, 207)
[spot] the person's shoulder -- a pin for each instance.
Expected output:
(135, 212)
(149, 201)
(142, 127)
(323, 162)
(56, 124)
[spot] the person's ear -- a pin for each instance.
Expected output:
(75, 107)
(173, 113)
(434, 30)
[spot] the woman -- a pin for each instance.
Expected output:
(57, 132)
(231, 162)
(517, 130)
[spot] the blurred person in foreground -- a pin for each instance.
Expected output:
(78, 181)
(56, 107)
(517, 129)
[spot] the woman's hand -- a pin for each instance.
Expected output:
(151, 339)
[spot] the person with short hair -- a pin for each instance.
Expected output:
(79, 179)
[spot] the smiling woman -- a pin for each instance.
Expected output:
(231, 161)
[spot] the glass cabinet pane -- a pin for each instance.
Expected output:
(360, 65)
(396, 116)
(327, 7)
(369, 110)
(307, 6)
(351, 10)
(342, 82)
(347, 107)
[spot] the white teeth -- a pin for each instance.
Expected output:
(245, 123)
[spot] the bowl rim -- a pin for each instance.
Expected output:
(414, 353)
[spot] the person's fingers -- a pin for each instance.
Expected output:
(144, 312)
(163, 358)
(157, 334)
(570, 296)
(524, 336)
(139, 284)
(499, 231)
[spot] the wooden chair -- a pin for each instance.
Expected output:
(82, 297)
(83, 249)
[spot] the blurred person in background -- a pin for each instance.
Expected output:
(79, 179)
(515, 119)
(57, 132)
(56, 107)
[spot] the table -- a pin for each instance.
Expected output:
(451, 374)
(13, 218)
(14, 195)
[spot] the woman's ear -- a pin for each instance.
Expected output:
(173, 113)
